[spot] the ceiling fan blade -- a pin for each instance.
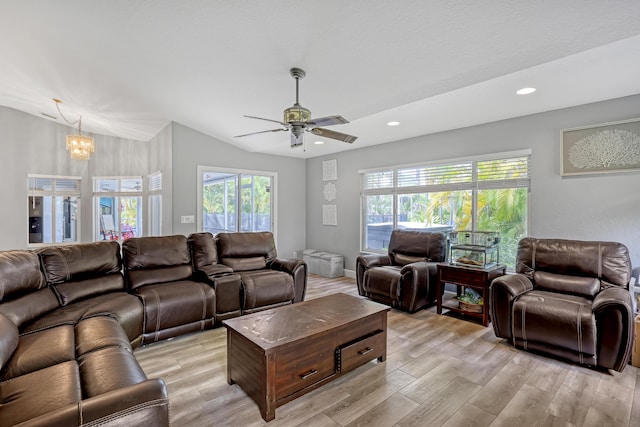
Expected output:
(268, 120)
(263, 131)
(334, 135)
(328, 121)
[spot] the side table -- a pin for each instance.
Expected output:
(475, 278)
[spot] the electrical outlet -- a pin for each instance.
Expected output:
(187, 219)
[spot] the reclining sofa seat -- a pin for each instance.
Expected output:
(159, 271)
(406, 277)
(568, 299)
(58, 338)
(267, 281)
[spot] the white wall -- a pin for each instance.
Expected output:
(34, 145)
(160, 160)
(596, 207)
(192, 148)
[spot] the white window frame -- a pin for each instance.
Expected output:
(33, 192)
(201, 169)
(154, 185)
(473, 185)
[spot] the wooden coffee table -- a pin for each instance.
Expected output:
(280, 354)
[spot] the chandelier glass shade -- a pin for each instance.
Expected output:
(80, 147)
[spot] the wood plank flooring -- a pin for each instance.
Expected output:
(440, 370)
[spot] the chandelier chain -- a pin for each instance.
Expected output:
(78, 122)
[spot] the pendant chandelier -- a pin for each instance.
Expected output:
(79, 146)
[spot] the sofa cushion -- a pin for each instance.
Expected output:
(78, 262)
(153, 252)
(573, 285)
(72, 291)
(151, 276)
(383, 281)
(40, 350)
(28, 307)
(422, 244)
(203, 249)
(246, 245)
(402, 259)
(31, 395)
(266, 287)
(149, 260)
(608, 261)
(107, 370)
(19, 274)
(556, 320)
(125, 307)
(99, 332)
(8, 340)
(245, 264)
(169, 305)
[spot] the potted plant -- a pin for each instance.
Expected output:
(471, 301)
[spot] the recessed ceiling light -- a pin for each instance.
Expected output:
(318, 142)
(526, 90)
(393, 123)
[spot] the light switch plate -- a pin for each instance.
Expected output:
(187, 219)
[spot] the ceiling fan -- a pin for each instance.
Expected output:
(297, 119)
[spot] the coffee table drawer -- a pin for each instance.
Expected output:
(361, 351)
(303, 365)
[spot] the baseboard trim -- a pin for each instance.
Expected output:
(350, 273)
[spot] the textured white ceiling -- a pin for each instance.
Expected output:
(129, 67)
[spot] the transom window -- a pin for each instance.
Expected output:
(480, 194)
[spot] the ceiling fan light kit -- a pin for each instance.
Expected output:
(297, 119)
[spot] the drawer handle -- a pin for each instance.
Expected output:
(365, 351)
(308, 374)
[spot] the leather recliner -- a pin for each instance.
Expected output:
(406, 277)
(158, 270)
(267, 281)
(569, 299)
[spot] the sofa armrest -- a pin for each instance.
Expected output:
(373, 260)
(296, 268)
(142, 404)
(503, 291)
(419, 284)
(9, 337)
(365, 262)
(211, 271)
(613, 309)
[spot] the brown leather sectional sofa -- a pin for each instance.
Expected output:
(70, 317)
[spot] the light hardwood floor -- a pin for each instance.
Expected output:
(439, 371)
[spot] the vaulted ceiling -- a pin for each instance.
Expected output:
(130, 67)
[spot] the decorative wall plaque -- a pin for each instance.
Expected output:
(329, 191)
(330, 170)
(329, 215)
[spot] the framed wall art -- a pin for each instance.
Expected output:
(605, 148)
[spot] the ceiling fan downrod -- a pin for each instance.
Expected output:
(297, 73)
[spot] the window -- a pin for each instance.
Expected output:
(117, 208)
(232, 200)
(155, 204)
(483, 194)
(54, 209)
